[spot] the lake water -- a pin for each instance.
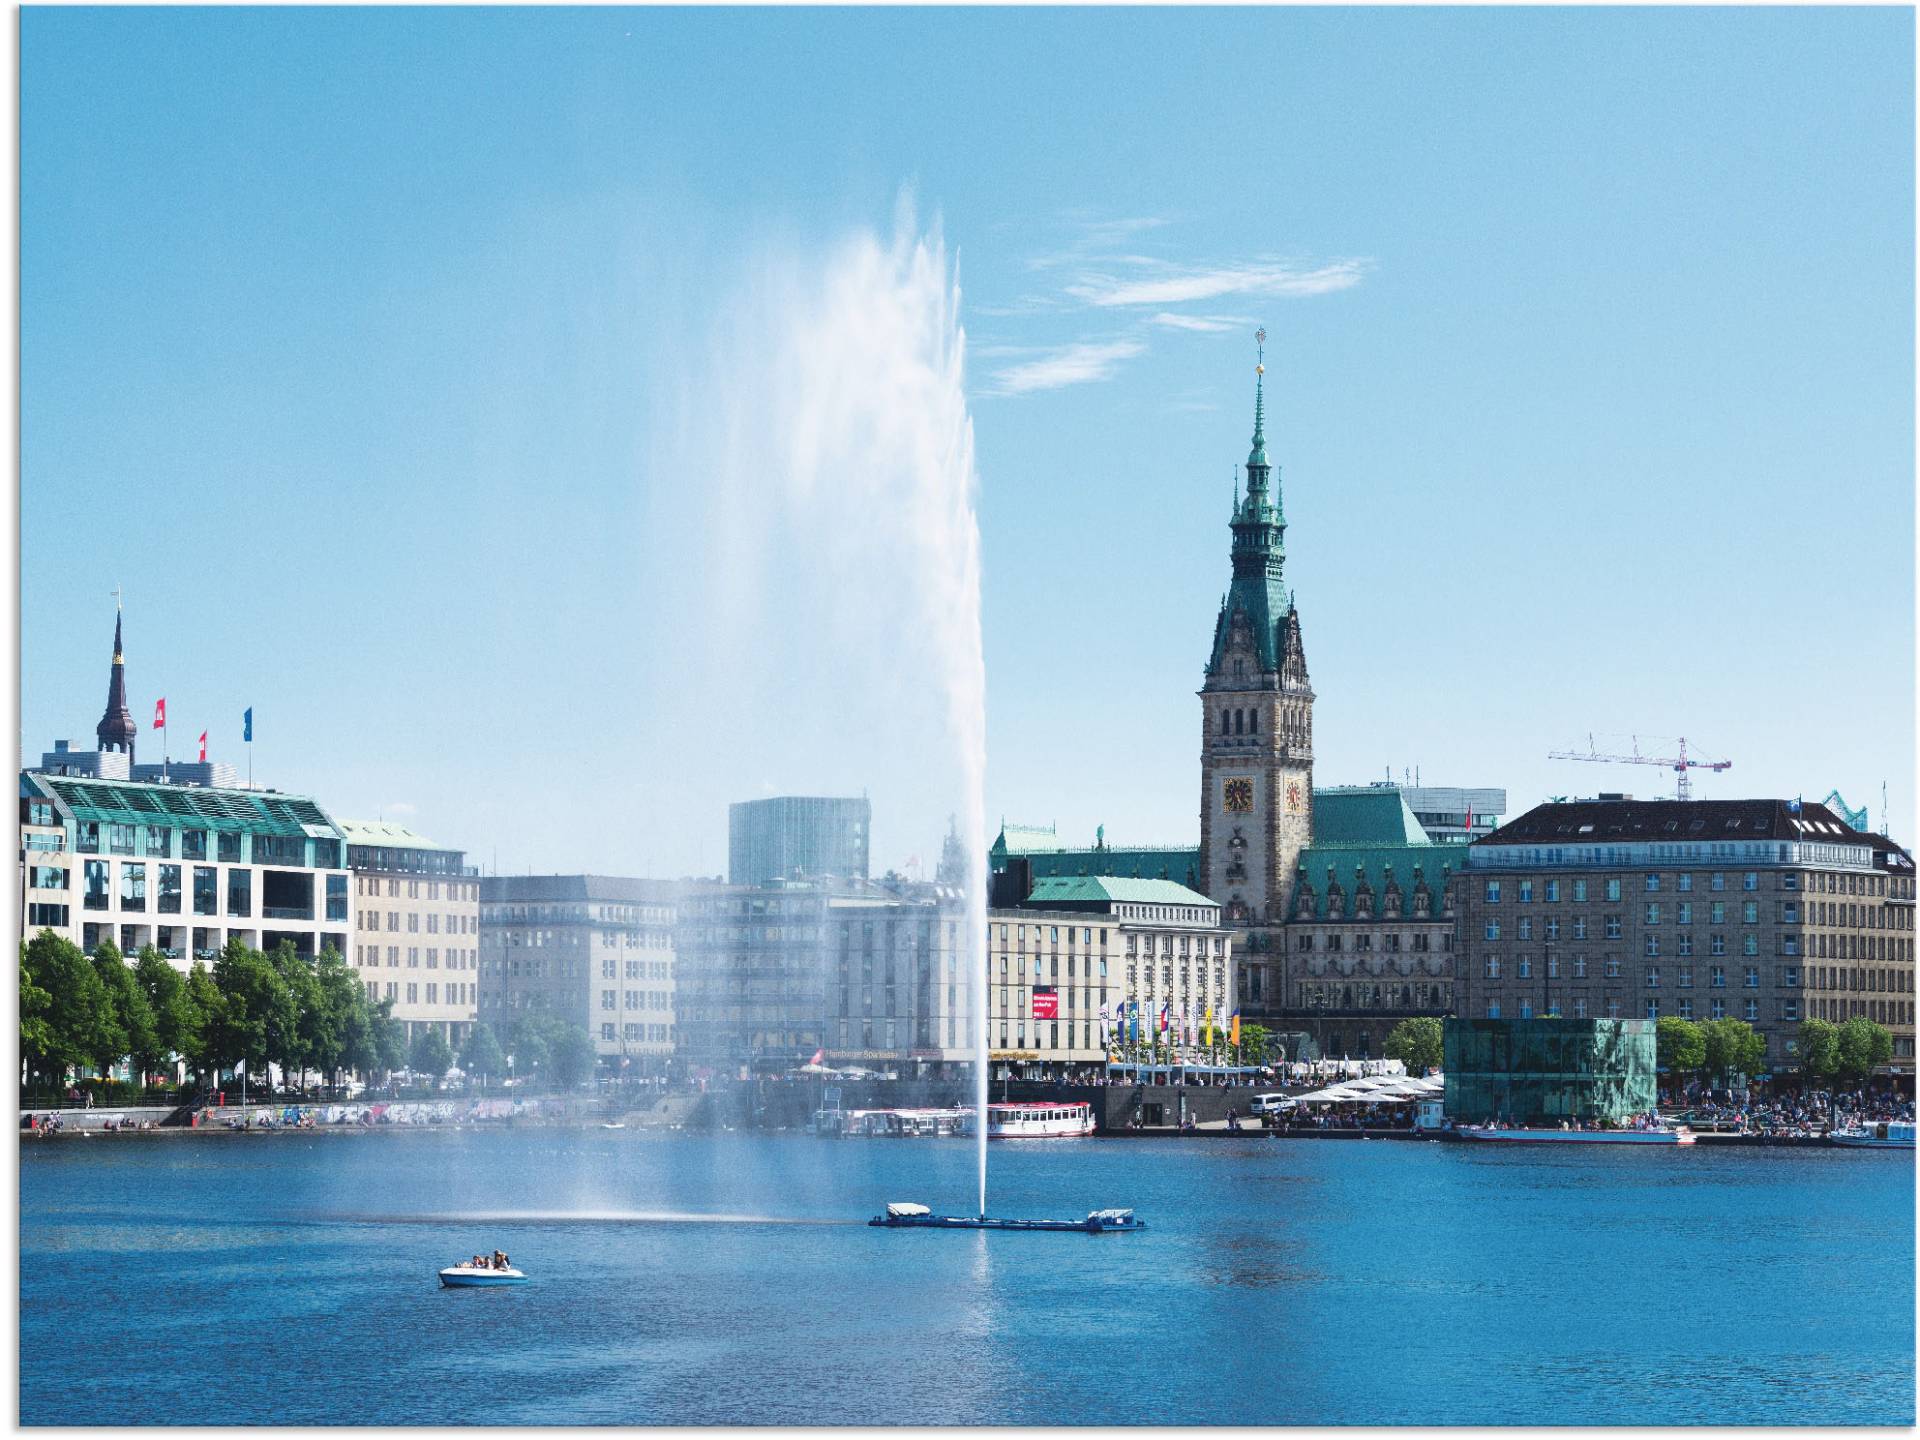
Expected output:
(290, 1280)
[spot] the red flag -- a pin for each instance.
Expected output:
(818, 1056)
(160, 713)
(1469, 821)
(203, 747)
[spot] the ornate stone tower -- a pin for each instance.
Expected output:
(116, 728)
(1256, 713)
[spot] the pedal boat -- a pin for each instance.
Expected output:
(474, 1275)
(901, 1216)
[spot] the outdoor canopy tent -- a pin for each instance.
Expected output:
(1377, 1090)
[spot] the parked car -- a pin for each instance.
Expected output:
(1271, 1104)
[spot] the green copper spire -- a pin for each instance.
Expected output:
(1259, 453)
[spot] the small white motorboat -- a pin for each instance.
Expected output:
(1880, 1135)
(469, 1275)
(613, 1125)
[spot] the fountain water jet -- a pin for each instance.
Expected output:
(832, 433)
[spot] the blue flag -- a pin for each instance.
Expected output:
(249, 724)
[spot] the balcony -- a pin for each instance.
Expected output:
(287, 912)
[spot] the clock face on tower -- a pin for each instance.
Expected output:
(1293, 797)
(1238, 795)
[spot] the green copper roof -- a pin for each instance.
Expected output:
(1105, 889)
(193, 807)
(1364, 815)
(385, 832)
(1350, 862)
(1025, 840)
(1258, 456)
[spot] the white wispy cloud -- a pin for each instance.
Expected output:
(1067, 365)
(1186, 286)
(1205, 324)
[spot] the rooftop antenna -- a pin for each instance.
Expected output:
(1883, 808)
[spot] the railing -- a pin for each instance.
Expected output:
(287, 912)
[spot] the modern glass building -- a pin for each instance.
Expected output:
(1534, 1072)
(798, 837)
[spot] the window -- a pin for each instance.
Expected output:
(606, 1030)
(1613, 967)
(1653, 977)
(1683, 883)
(1685, 945)
(1526, 892)
(336, 897)
(240, 892)
(1580, 969)
(1717, 944)
(1653, 884)
(1526, 927)
(1553, 891)
(1524, 968)
(1579, 927)
(120, 839)
(96, 885)
(1613, 927)
(1493, 1009)
(1719, 1008)
(1683, 913)
(1716, 881)
(206, 890)
(1493, 930)
(1717, 912)
(1686, 1007)
(1580, 1007)
(1580, 892)
(1653, 1009)
(1653, 912)
(1493, 892)
(1750, 881)
(1613, 889)
(1752, 1009)
(1553, 929)
(1717, 977)
(133, 887)
(1749, 945)
(607, 997)
(229, 847)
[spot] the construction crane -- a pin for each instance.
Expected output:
(1680, 764)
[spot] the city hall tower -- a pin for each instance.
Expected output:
(1256, 712)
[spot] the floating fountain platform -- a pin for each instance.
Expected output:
(919, 1217)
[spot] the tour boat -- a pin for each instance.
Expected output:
(1039, 1120)
(480, 1275)
(903, 1216)
(1880, 1135)
(1680, 1136)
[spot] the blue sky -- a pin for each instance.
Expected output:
(1590, 380)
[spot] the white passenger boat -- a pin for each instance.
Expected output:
(1679, 1136)
(1039, 1120)
(480, 1275)
(1880, 1135)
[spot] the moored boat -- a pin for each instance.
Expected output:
(903, 1216)
(1880, 1135)
(1039, 1120)
(1678, 1136)
(480, 1275)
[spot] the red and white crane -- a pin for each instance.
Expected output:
(1680, 764)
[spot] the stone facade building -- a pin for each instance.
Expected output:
(1768, 911)
(862, 973)
(1083, 948)
(596, 950)
(416, 927)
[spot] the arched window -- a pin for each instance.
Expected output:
(1253, 722)
(1226, 724)
(1239, 722)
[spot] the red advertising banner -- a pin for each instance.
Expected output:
(1046, 1004)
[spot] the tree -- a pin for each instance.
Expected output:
(169, 1003)
(252, 1000)
(293, 1004)
(570, 1054)
(1681, 1045)
(1819, 1048)
(1862, 1045)
(1732, 1048)
(481, 1054)
(527, 1045)
(78, 1011)
(323, 1025)
(127, 1025)
(36, 1018)
(1416, 1043)
(206, 1010)
(1253, 1043)
(430, 1055)
(389, 1036)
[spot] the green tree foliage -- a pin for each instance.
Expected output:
(207, 1008)
(1681, 1044)
(36, 1018)
(296, 995)
(430, 1054)
(1862, 1044)
(1819, 1048)
(527, 1044)
(1255, 1044)
(569, 1054)
(481, 1053)
(78, 1010)
(327, 1023)
(170, 1003)
(389, 1037)
(127, 1027)
(1732, 1048)
(251, 997)
(1416, 1043)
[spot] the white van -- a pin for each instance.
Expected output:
(1271, 1104)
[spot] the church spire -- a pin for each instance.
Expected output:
(1258, 457)
(116, 729)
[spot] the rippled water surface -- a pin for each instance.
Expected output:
(290, 1280)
